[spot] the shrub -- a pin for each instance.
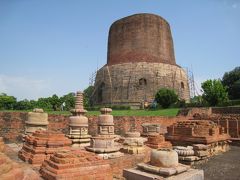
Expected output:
(165, 97)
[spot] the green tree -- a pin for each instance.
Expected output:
(87, 93)
(7, 102)
(55, 102)
(44, 103)
(68, 100)
(214, 92)
(165, 97)
(23, 105)
(231, 80)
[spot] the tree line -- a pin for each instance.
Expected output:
(52, 103)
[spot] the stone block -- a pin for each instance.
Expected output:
(136, 174)
(201, 153)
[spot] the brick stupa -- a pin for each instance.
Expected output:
(76, 165)
(78, 125)
(41, 144)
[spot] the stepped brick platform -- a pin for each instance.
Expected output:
(78, 164)
(196, 131)
(41, 144)
(157, 141)
(205, 132)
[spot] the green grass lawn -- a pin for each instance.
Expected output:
(160, 112)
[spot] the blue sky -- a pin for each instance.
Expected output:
(53, 46)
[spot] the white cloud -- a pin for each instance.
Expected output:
(23, 87)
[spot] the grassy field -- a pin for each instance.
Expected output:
(160, 112)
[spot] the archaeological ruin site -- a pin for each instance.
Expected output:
(36, 145)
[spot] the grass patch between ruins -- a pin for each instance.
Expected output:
(159, 112)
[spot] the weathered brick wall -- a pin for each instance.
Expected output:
(204, 112)
(131, 83)
(12, 123)
(226, 110)
(231, 122)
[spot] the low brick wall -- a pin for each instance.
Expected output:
(226, 110)
(231, 122)
(12, 123)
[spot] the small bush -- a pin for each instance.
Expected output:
(165, 97)
(181, 103)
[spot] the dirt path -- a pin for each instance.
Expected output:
(223, 167)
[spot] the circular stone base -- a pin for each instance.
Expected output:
(101, 150)
(80, 145)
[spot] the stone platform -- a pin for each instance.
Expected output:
(136, 174)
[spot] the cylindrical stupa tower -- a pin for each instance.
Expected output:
(140, 61)
(140, 38)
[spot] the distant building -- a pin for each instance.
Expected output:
(140, 61)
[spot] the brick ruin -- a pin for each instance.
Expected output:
(196, 140)
(193, 141)
(41, 144)
(77, 165)
(228, 118)
(140, 61)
